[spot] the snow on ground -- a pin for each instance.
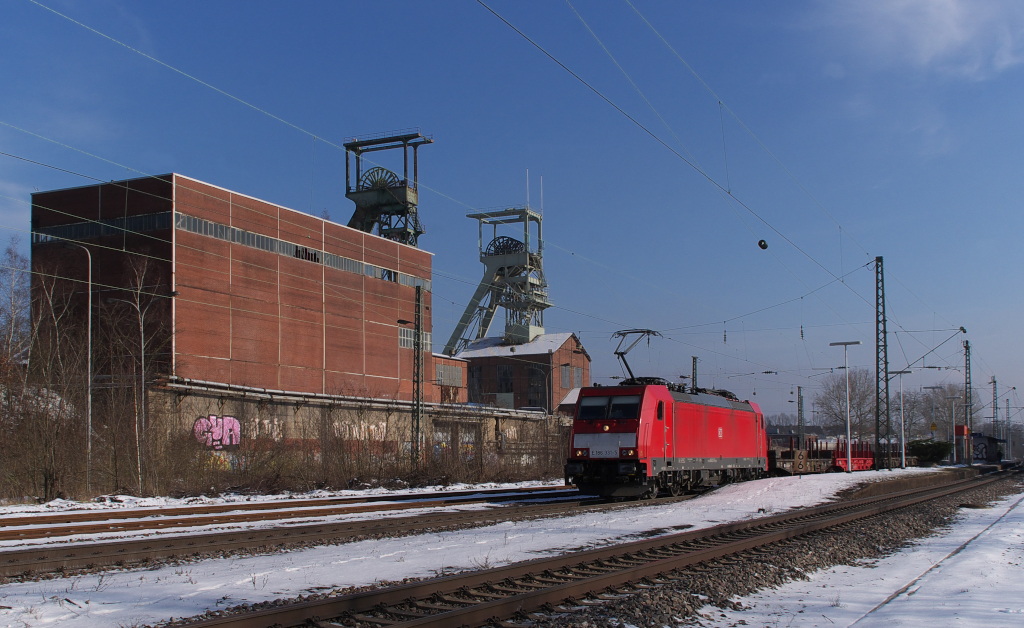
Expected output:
(143, 596)
(968, 576)
(304, 518)
(124, 502)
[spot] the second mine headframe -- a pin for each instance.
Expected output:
(385, 203)
(513, 279)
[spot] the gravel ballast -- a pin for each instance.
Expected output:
(692, 598)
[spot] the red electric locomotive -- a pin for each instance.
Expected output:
(647, 435)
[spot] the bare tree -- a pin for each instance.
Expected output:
(937, 407)
(14, 303)
(48, 428)
(137, 332)
(912, 413)
(781, 419)
(831, 402)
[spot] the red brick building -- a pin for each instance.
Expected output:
(535, 374)
(246, 293)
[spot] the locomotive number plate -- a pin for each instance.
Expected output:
(604, 453)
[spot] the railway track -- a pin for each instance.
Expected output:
(517, 592)
(13, 528)
(64, 557)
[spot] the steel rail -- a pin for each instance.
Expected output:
(199, 509)
(520, 589)
(8, 532)
(86, 555)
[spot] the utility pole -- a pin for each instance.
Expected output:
(968, 404)
(881, 370)
(800, 416)
(693, 375)
(417, 378)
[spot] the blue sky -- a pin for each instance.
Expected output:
(899, 120)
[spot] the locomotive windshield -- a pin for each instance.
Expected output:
(625, 407)
(596, 408)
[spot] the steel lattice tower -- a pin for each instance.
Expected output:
(417, 379)
(968, 400)
(513, 279)
(881, 369)
(995, 407)
(384, 202)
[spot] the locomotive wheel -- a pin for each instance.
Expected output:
(675, 490)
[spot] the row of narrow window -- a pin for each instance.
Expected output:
(273, 245)
(101, 228)
(571, 377)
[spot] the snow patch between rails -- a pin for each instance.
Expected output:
(128, 502)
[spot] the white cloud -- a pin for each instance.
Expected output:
(969, 38)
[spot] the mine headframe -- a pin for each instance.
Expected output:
(385, 203)
(513, 279)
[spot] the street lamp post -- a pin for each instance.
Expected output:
(88, 406)
(903, 429)
(846, 367)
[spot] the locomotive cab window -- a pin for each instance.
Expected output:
(661, 410)
(627, 407)
(597, 408)
(593, 408)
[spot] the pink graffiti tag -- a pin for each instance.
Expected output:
(218, 432)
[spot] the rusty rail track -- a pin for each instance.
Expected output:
(93, 521)
(519, 590)
(88, 555)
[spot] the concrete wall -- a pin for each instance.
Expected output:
(445, 429)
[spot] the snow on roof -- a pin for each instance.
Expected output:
(570, 399)
(493, 347)
(447, 357)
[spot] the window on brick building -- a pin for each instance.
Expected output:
(536, 392)
(577, 377)
(504, 378)
(406, 337)
(449, 375)
(475, 384)
(565, 376)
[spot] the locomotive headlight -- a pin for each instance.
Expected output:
(606, 428)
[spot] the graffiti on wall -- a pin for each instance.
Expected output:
(218, 432)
